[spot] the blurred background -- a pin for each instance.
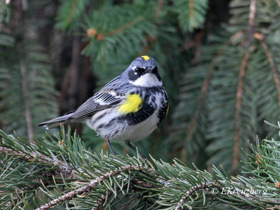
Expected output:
(219, 60)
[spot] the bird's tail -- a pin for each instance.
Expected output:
(55, 122)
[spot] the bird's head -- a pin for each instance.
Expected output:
(143, 72)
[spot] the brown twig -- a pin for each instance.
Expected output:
(72, 11)
(25, 93)
(252, 15)
(191, 9)
(274, 207)
(238, 104)
(192, 190)
(160, 4)
(89, 186)
(260, 37)
(277, 2)
(21, 5)
(144, 183)
(242, 70)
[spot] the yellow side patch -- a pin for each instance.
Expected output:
(145, 57)
(131, 104)
(167, 111)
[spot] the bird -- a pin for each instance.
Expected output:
(128, 108)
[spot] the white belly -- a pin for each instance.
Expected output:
(139, 131)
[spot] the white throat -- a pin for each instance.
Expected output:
(147, 80)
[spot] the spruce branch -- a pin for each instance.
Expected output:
(194, 189)
(90, 185)
(239, 92)
(69, 13)
(203, 94)
(102, 178)
(39, 157)
(190, 13)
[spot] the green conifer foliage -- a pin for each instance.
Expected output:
(60, 172)
(219, 64)
(27, 94)
(229, 93)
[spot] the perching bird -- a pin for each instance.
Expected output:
(128, 108)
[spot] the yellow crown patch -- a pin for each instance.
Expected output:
(145, 57)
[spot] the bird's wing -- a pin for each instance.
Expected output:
(107, 97)
(100, 101)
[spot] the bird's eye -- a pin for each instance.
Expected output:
(135, 71)
(138, 71)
